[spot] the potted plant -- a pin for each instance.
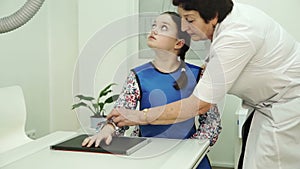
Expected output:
(96, 105)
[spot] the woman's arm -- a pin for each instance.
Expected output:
(167, 114)
(173, 112)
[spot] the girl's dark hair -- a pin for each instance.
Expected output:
(180, 34)
(182, 80)
(208, 9)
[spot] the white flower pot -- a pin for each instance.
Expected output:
(96, 120)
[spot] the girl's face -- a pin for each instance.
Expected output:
(195, 26)
(163, 34)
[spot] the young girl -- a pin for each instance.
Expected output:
(164, 80)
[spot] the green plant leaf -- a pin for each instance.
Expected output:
(115, 97)
(87, 98)
(101, 106)
(112, 98)
(74, 106)
(95, 105)
(84, 105)
(106, 90)
(96, 109)
(104, 93)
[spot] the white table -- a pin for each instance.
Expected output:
(159, 153)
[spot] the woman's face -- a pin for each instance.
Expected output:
(163, 33)
(195, 26)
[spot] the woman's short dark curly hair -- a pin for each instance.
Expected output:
(208, 9)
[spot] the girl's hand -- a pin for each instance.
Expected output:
(105, 134)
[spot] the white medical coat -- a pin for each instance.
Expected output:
(254, 58)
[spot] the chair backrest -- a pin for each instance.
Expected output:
(12, 118)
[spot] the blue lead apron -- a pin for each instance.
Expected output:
(156, 90)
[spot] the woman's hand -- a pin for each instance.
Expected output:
(126, 117)
(104, 134)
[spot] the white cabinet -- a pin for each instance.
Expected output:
(241, 116)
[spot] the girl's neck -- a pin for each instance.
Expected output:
(166, 64)
(166, 61)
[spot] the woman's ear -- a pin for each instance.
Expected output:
(179, 44)
(214, 21)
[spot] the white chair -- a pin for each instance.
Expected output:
(12, 118)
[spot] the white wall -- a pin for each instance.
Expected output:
(24, 61)
(40, 57)
(103, 40)
(63, 52)
(104, 33)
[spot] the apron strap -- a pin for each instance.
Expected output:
(245, 132)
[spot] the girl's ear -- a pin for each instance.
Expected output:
(179, 44)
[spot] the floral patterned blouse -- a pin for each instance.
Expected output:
(209, 123)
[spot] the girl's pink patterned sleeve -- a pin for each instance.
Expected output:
(129, 96)
(209, 126)
(130, 93)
